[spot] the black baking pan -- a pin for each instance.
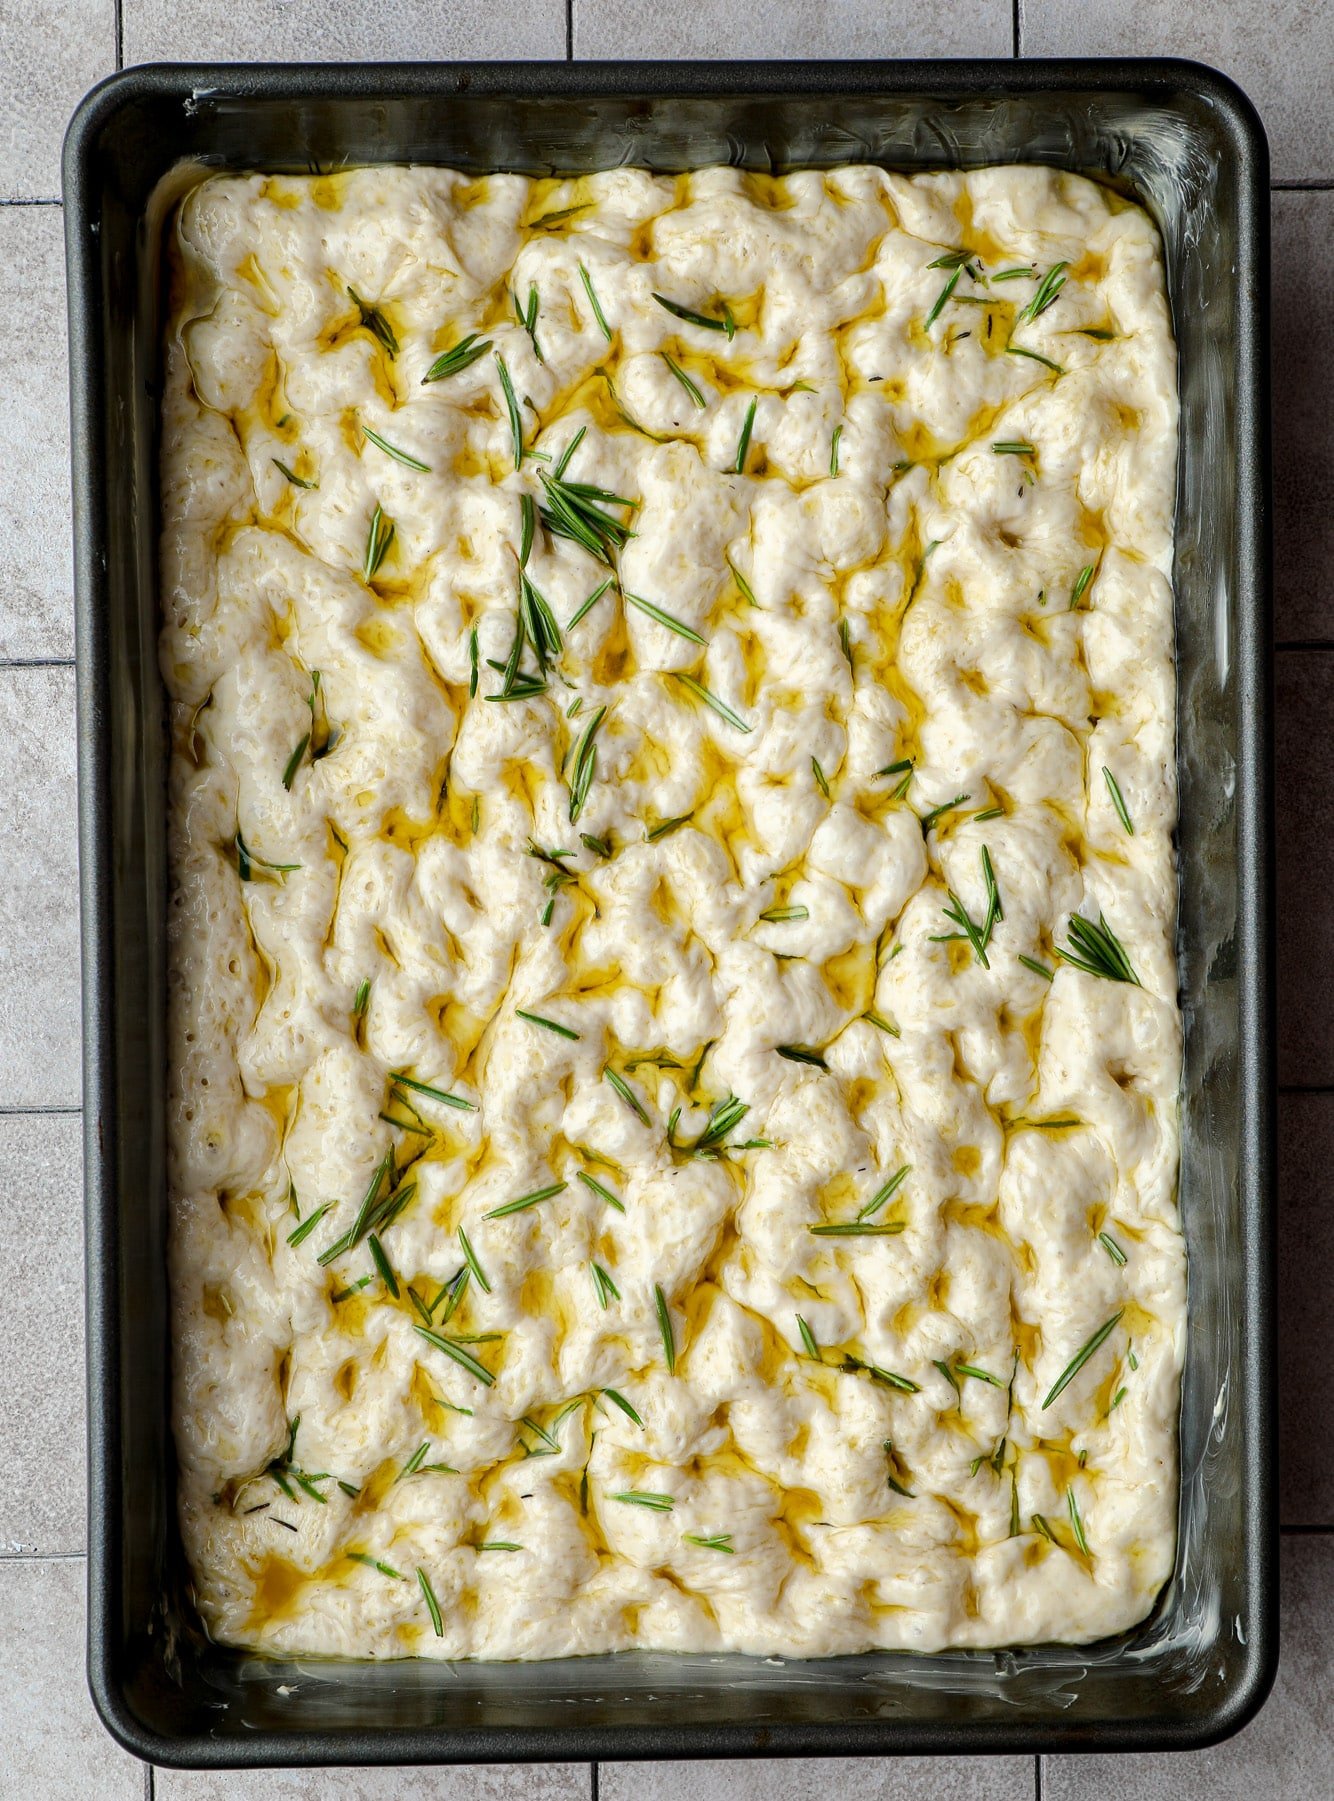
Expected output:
(1187, 143)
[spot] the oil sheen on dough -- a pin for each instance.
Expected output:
(877, 587)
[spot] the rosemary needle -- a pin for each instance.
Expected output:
(821, 779)
(374, 321)
(552, 1025)
(585, 767)
(1118, 800)
(1082, 1356)
(373, 1563)
(626, 1093)
(598, 314)
(726, 323)
(473, 670)
(929, 820)
(361, 999)
(600, 1190)
(294, 763)
(665, 1327)
(890, 1378)
(1112, 1249)
(1097, 950)
(801, 1053)
(472, 1261)
(464, 1358)
(720, 707)
(1034, 356)
(669, 620)
(781, 915)
(743, 444)
(309, 1223)
(434, 1094)
(424, 1583)
(884, 1193)
(943, 296)
(1039, 969)
(808, 1339)
(684, 379)
(1047, 290)
(525, 1201)
(451, 362)
(720, 1541)
(833, 449)
(297, 481)
(645, 1497)
(378, 540)
(858, 1228)
(383, 1265)
(512, 408)
(392, 450)
(604, 1285)
(1076, 1522)
(589, 604)
(1080, 588)
(617, 1399)
(747, 592)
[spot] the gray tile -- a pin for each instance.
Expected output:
(52, 1745)
(1303, 225)
(804, 1779)
(36, 580)
(489, 1782)
(1280, 54)
(1286, 1754)
(313, 30)
(39, 891)
(792, 28)
(54, 51)
(1304, 697)
(1305, 1306)
(41, 1318)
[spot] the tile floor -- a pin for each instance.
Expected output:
(50, 1742)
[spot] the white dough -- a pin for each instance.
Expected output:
(914, 605)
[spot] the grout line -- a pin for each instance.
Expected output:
(1018, 28)
(150, 1782)
(36, 663)
(40, 1112)
(593, 1782)
(1306, 1531)
(1037, 1777)
(569, 57)
(32, 200)
(120, 34)
(1304, 644)
(43, 1556)
(1305, 1088)
(1299, 185)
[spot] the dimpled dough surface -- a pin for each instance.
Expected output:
(810, 1466)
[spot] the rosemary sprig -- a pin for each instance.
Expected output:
(297, 481)
(663, 618)
(783, 915)
(374, 321)
(1047, 290)
(1097, 950)
(720, 1541)
(626, 1092)
(433, 1606)
(433, 1094)
(645, 1497)
(886, 1192)
(577, 510)
(585, 764)
(727, 323)
(665, 1328)
(551, 1025)
(378, 540)
(930, 819)
(525, 1201)
(593, 301)
(1034, 356)
(600, 1189)
(833, 449)
(725, 1117)
(1118, 800)
(463, 1357)
(1082, 1356)
(720, 707)
(473, 1262)
(978, 936)
(1076, 1522)
(684, 379)
(604, 1285)
(1112, 1249)
(457, 358)
(368, 1214)
(617, 1399)
(801, 1053)
(743, 443)
(392, 450)
(527, 319)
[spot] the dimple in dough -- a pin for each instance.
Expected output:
(946, 554)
